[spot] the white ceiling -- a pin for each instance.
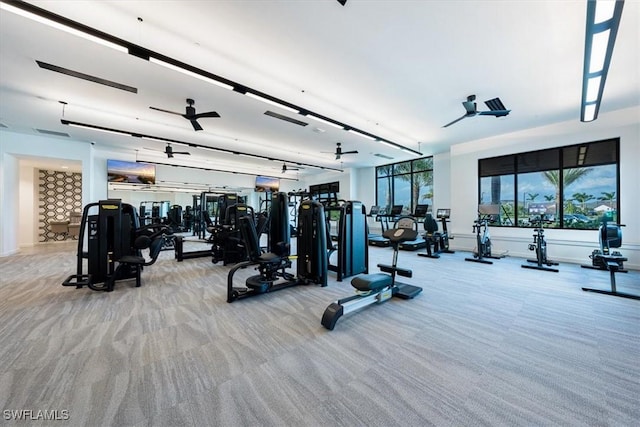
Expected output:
(396, 69)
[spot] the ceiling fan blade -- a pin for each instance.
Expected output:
(166, 111)
(338, 156)
(182, 152)
(497, 113)
(196, 125)
(456, 120)
(350, 152)
(208, 114)
(169, 154)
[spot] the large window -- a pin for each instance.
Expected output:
(407, 183)
(571, 187)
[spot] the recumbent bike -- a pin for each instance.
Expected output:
(379, 287)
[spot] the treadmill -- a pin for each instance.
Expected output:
(377, 239)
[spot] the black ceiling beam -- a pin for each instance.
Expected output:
(190, 144)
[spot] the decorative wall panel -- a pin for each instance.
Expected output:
(59, 194)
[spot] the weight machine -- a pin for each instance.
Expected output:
(112, 233)
(272, 266)
(351, 247)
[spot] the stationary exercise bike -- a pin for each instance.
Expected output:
(438, 239)
(539, 245)
(483, 240)
(379, 287)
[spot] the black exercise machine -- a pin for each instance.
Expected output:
(113, 235)
(610, 236)
(411, 221)
(483, 237)
(312, 257)
(272, 266)
(437, 242)
(228, 243)
(376, 239)
(539, 245)
(376, 288)
(385, 217)
(352, 252)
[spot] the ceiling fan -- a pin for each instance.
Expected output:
(496, 109)
(168, 150)
(190, 114)
(286, 168)
(339, 151)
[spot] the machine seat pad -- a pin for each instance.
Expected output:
(269, 257)
(371, 282)
(132, 259)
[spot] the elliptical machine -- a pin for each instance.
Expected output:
(483, 239)
(539, 245)
(379, 287)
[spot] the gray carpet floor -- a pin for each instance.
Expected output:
(493, 345)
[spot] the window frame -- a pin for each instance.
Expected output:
(509, 165)
(391, 171)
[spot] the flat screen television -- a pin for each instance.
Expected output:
(267, 184)
(130, 172)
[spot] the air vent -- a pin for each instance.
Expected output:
(52, 133)
(285, 118)
(384, 156)
(87, 77)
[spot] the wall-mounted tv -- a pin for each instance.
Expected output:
(130, 172)
(267, 184)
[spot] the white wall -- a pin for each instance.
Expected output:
(365, 188)
(27, 220)
(563, 245)
(441, 182)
